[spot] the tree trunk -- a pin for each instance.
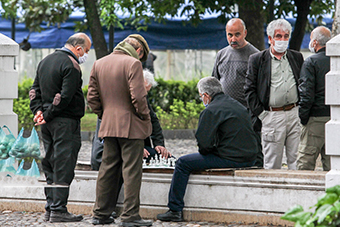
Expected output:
(250, 13)
(336, 21)
(95, 27)
(300, 24)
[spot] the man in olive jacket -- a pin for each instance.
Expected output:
(117, 95)
(313, 111)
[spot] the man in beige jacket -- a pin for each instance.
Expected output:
(117, 95)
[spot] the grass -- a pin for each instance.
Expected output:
(89, 122)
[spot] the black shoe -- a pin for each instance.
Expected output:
(140, 222)
(170, 215)
(47, 215)
(114, 214)
(97, 221)
(64, 217)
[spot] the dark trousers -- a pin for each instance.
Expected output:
(194, 162)
(62, 141)
(121, 158)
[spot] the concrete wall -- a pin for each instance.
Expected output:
(9, 83)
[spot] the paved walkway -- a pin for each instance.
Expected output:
(176, 147)
(18, 219)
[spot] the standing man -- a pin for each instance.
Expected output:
(272, 95)
(57, 102)
(313, 112)
(231, 69)
(117, 95)
(225, 139)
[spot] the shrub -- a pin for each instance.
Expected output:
(326, 213)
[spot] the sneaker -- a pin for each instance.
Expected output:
(175, 216)
(47, 216)
(64, 217)
(140, 222)
(98, 221)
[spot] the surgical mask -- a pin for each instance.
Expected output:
(280, 46)
(311, 49)
(83, 58)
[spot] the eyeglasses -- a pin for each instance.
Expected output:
(201, 97)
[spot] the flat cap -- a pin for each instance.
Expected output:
(145, 45)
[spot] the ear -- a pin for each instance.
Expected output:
(245, 33)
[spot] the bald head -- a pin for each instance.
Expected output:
(321, 34)
(79, 44)
(236, 33)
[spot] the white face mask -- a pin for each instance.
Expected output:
(280, 46)
(311, 49)
(83, 58)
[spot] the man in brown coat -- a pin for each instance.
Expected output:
(117, 95)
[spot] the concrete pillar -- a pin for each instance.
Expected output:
(333, 99)
(9, 49)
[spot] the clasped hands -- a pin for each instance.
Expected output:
(39, 118)
(160, 150)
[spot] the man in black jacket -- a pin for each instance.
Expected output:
(272, 95)
(225, 139)
(57, 102)
(313, 112)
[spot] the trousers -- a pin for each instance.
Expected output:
(194, 162)
(122, 159)
(280, 129)
(62, 141)
(312, 143)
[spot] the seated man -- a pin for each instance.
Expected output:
(225, 139)
(156, 135)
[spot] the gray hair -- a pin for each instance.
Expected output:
(278, 24)
(77, 39)
(321, 34)
(209, 85)
(149, 78)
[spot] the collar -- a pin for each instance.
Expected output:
(323, 49)
(127, 48)
(69, 51)
(275, 58)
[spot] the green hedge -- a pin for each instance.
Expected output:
(176, 103)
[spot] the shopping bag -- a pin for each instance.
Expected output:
(26, 147)
(7, 165)
(6, 142)
(31, 172)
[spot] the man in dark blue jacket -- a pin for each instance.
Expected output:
(225, 139)
(57, 102)
(313, 111)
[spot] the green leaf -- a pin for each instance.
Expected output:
(324, 211)
(335, 189)
(328, 198)
(296, 213)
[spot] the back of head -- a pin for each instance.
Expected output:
(321, 34)
(209, 85)
(278, 24)
(137, 41)
(79, 39)
(149, 77)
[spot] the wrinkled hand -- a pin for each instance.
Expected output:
(163, 151)
(39, 118)
(146, 153)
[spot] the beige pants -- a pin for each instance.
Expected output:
(312, 143)
(280, 129)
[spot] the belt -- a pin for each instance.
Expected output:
(283, 108)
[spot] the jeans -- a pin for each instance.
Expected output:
(194, 162)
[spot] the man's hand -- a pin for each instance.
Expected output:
(39, 118)
(146, 153)
(163, 151)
